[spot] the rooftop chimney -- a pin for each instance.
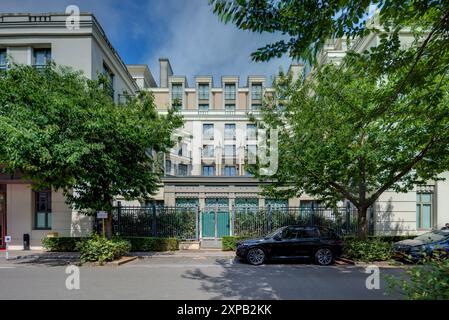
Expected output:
(165, 72)
(296, 71)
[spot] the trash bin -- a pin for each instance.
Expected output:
(26, 241)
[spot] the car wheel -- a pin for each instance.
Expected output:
(324, 256)
(255, 256)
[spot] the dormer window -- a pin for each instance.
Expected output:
(176, 94)
(256, 91)
(203, 91)
(230, 91)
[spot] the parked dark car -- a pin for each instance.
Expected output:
(430, 244)
(293, 242)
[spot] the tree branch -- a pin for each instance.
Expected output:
(403, 172)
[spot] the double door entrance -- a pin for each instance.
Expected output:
(2, 215)
(215, 218)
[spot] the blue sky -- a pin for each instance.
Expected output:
(185, 31)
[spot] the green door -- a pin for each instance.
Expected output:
(215, 218)
(208, 224)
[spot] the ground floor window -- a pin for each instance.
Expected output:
(276, 203)
(246, 204)
(424, 210)
(186, 202)
(43, 219)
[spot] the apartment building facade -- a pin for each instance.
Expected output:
(206, 168)
(36, 39)
(426, 206)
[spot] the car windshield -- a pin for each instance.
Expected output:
(433, 236)
(275, 232)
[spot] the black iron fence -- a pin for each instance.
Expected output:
(249, 222)
(160, 222)
(185, 223)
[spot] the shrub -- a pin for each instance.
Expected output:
(367, 250)
(427, 282)
(100, 249)
(153, 244)
(229, 243)
(61, 244)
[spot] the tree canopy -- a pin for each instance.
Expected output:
(63, 131)
(305, 26)
(348, 134)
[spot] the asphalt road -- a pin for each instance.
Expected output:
(177, 278)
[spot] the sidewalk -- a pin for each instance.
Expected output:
(22, 255)
(185, 254)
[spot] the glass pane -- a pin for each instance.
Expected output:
(426, 197)
(49, 221)
(426, 216)
(418, 216)
(186, 202)
(40, 220)
(2, 57)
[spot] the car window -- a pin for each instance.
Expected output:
(289, 233)
(433, 236)
(310, 233)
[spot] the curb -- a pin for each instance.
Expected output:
(123, 260)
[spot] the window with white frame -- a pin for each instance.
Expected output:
(229, 151)
(182, 169)
(251, 131)
(41, 57)
(208, 151)
(424, 210)
(203, 107)
(251, 153)
(230, 171)
(203, 91)
(230, 91)
(256, 91)
(229, 107)
(43, 216)
(229, 131)
(176, 94)
(208, 170)
(3, 60)
(208, 131)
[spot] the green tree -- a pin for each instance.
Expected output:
(348, 134)
(374, 123)
(65, 132)
(305, 26)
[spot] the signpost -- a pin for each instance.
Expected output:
(7, 242)
(102, 215)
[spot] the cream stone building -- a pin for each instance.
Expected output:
(35, 39)
(207, 166)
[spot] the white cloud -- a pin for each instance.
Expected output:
(185, 31)
(198, 43)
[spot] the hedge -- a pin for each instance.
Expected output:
(61, 244)
(153, 244)
(229, 243)
(68, 244)
(100, 249)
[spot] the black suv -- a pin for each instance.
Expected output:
(293, 242)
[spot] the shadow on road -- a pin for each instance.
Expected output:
(287, 280)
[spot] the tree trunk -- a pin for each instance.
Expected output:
(108, 225)
(362, 223)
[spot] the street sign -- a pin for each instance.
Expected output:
(102, 215)
(8, 239)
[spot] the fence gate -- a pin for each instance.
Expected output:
(215, 218)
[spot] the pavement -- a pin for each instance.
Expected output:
(188, 276)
